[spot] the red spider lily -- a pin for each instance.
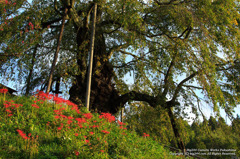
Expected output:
(7, 105)
(58, 100)
(87, 141)
(70, 103)
(9, 115)
(35, 105)
(102, 151)
(76, 153)
(121, 123)
(63, 116)
(22, 134)
(121, 127)
(145, 135)
(95, 126)
(3, 90)
(9, 111)
(106, 132)
(69, 122)
(88, 115)
(91, 133)
(108, 116)
(76, 134)
(31, 25)
(69, 117)
(17, 105)
(43, 96)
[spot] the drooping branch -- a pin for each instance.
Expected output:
(166, 79)
(31, 69)
(75, 17)
(191, 86)
(179, 86)
(116, 48)
(56, 9)
(188, 33)
(48, 23)
(57, 50)
(188, 30)
(133, 95)
(171, 2)
(128, 53)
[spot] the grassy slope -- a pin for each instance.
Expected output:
(41, 129)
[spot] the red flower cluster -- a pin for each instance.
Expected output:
(10, 105)
(35, 105)
(58, 100)
(121, 127)
(106, 132)
(3, 90)
(108, 116)
(43, 96)
(76, 153)
(31, 25)
(80, 120)
(88, 115)
(145, 135)
(22, 134)
(121, 123)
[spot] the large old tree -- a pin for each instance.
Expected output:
(176, 50)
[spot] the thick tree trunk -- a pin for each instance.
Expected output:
(103, 93)
(175, 130)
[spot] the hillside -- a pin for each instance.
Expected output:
(46, 126)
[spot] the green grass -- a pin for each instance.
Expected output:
(55, 131)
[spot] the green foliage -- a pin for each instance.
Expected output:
(52, 131)
(156, 122)
(157, 41)
(213, 133)
(144, 119)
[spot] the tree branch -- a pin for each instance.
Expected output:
(116, 48)
(166, 83)
(190, 86)
(128, 53)
(133, 95)
(48, 23)
(171, 2)
(181, 84)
